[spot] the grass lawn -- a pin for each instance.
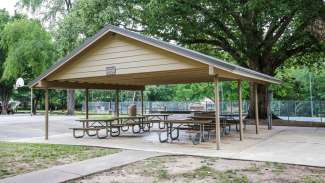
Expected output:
(202, 169)
(17, 158)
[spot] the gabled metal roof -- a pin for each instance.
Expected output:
(197, 56)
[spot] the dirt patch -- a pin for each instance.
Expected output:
(202, 169)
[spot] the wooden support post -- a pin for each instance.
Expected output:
(86, 102)
(117, 103)
(269, 110)
(256, 109)
(142, 103)
(217, 110)
(240, 106)
(46, 114)
(31, 101)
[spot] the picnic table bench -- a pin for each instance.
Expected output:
(225, 121)
(93, 125)
(183, 125)
(112, 126)
(85, 130)
(156, 118)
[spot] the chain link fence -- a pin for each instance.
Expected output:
(285, 109)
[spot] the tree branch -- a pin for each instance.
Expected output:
(272, 37)
(219, 43)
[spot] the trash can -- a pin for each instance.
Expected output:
(132, 110)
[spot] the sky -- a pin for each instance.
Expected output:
(9, 5)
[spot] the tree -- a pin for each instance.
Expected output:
(257, 34)
(48, 10)
(6, 86)
(29, 51)
(53, 10)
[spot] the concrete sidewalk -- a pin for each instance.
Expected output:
(79, 169)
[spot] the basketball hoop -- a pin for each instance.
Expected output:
(19, 83)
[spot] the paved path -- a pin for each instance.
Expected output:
(79, 169)
(21, 126)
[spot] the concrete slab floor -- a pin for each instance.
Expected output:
(294, 145)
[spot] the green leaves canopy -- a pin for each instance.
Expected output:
(29, 49)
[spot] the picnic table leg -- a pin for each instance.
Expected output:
(101, 137)
(124, 130)
(171, 133)
(168, 130)
(133, 129)
(148, 119)
(106, 131)
(167, 136)
(203, 138)
(145, 125)
(78, 136)
(163, 126)
(116, 133)
(87, 132)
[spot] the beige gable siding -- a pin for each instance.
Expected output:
(127, 55)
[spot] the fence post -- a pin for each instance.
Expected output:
(231, 107)
(279, 104)
(288, 110)
(295, 108)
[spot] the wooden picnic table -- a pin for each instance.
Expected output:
(225, 120)
(93, 125)
(113, 125)
(127, 121)
(183, 125)
(157, 118)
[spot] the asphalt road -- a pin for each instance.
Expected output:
(20, 126)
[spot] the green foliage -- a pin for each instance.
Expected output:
(296, 83)
(258, 34)
(29, 49)
(47, 10)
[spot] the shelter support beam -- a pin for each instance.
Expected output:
(240, 106)
(142, 103)
(46, 97)
(86, 102)
(76, 85)
(269, 109)
(217, 110)
(256, 109)
(31, 101)
(117, 103)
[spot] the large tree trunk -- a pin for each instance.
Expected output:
(35, 103)
(262, 89)
(70, 102)
(5, 103)
(5, 97)
(38, 94)
(263, 100)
